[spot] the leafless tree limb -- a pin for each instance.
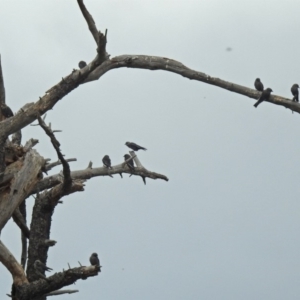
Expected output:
(43, 210)
(66, 168)
(170, 65)
(12, 265)
(18, 218)
(88, 173)
(2, 88)
(30, 144)
(23, 183)
(57, 163)
(60, 292)
(99, 38)
(55, 282)
(22, 209)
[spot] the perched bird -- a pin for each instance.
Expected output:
(6, 111)
(265, 95)
(130, 163)
(134, 146)
(258, 85)
(40, 267)
(82, 64)
(106, 161)
(295, 92)
(94, 260)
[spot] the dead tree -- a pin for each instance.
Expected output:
(22, 168)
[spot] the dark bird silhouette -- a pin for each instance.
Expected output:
(265, 95)
(295, 92)
(6, 111)
(106, 161)
(134, 146)
(40, 267)
(94, 260)
(258, 85)
(82, 64)
(130, 163)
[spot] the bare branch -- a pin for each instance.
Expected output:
(12, 265)
(22, 185)
(57, 281)
(23, 212)
(88, 173)
(90, 21)
(99, 38)
(43, 209)
(30, 144)
(50, 243)
(60, 292)
(2, 88)
(18, 218)
(170, 65)
(66, 168)
(57, 163)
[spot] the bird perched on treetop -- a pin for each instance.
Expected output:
(295, 92)
(6, 111)
(94, 260)
(265, 95)
(106, 161)
(130, 163)
(82, 64)
(258, 85)
(40, 267)
(134, 146)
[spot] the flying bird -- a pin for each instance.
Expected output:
(130, 163)
(40, 267)
(295, 92)
(134, 146)
(6, 111)
(265, 95)
(94, 260)
(258, 85)
(82, 64)
(106, 161)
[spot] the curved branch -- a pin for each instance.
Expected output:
(170, 65)
(66, 168)
(12, 265)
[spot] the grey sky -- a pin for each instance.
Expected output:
(226, 225)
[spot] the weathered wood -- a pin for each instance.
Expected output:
(41, 224)
(89, 173)
(170, 65)
(55, 282)
(12, 265)
(21, 186)
(19, 220)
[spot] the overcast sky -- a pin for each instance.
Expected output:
(226, 226)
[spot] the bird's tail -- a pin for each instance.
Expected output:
(257, 103)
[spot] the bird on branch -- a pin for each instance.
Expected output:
(106, 161)
(265, 95)
(295, 92)
(94, 260)
(134, 146)
(258, 85)
(82, 64)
